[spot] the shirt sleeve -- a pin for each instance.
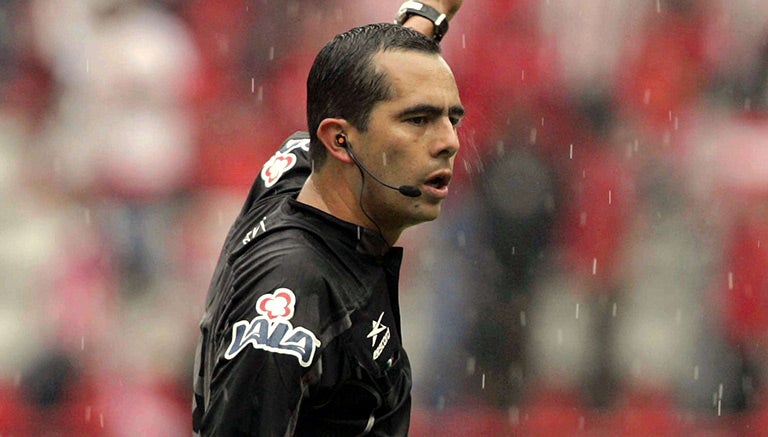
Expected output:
(268, 344)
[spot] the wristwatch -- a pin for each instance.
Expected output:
(417, 8)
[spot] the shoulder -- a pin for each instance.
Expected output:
(287, 260)
(291, 253)
(285, 171)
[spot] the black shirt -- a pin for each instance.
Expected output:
(301, 333)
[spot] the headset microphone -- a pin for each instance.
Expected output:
(405, 190)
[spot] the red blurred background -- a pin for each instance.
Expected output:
(601, 267)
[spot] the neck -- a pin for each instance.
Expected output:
(340, 201)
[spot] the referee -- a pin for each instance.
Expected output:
(301, 332)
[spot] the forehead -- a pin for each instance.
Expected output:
(416, 78)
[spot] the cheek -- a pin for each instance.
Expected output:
(395, 160)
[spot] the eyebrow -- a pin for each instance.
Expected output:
(432, 110)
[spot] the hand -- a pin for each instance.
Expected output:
(421, 24)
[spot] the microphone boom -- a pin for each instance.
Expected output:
(405, 190)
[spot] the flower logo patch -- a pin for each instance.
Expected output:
(276, 305)
(277, 165)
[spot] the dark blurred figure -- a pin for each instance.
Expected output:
(499, 240)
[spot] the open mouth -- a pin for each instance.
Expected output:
(439, 181)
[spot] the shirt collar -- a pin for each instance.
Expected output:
(363, 240)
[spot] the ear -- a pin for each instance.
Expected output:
(327, 132)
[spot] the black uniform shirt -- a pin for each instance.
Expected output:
(301, 333)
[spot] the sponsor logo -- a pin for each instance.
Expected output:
(277, 165)
(272, 331)
(282, 161)
(376, 329)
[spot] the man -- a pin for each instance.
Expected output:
(301, 334)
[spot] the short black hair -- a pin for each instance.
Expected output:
(343, 81)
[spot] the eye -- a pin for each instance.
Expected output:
(455, 121)
(418, 121)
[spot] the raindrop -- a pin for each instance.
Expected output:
(101, 420)
(610, 200)
(695, 373)
(272, 53)
(730, 280)
(522, 75)
(253, 85)
(534, 132)
(514, 415)
(82, 343)
(523, 321)
(594, 266)
(647, 96)
(482, 383)
(658, 6)
(463, 40)
(462, 239)
(577, 311)
(613, 311)
(384, 158)
(570, 152)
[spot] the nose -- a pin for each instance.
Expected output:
(447, 143)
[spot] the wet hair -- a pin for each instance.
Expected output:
(344, 81)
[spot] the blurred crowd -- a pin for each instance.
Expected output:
(601, 266)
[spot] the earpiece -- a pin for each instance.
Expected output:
(341, 140)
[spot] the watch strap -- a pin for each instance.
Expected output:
(437, 18)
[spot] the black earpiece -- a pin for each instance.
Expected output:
(341, 140)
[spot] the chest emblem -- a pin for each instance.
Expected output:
(272, 330)
(376, 329)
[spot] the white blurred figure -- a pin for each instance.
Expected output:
(121, 129)
(117, 150)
